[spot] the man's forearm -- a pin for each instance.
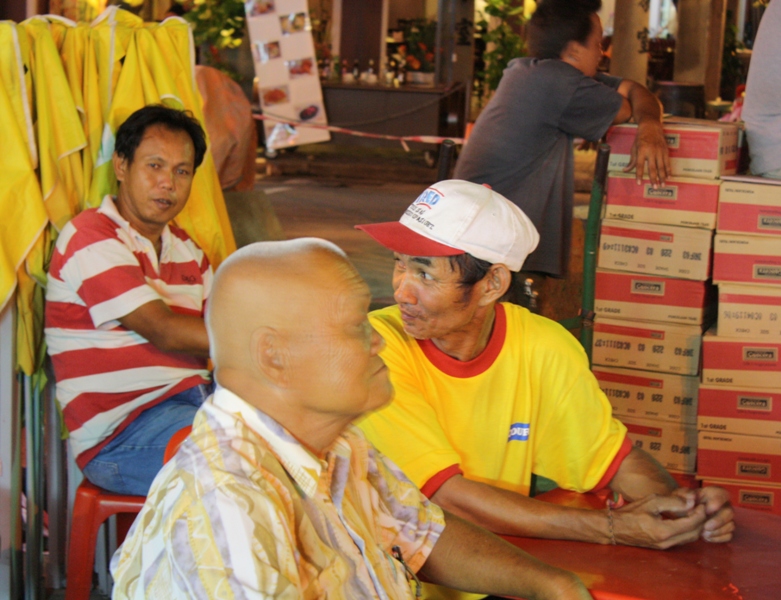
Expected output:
(167, 330)
(469, 558)
(645, 106)
(640, 523)
(510, 513)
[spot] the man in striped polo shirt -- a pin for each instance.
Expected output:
(125, 305)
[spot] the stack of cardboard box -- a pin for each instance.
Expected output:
(653, 295)
(740, 399)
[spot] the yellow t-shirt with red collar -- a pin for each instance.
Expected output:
(528, 404)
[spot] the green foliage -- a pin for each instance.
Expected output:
(217, 23)
(504, 42)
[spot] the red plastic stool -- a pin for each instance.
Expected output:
(92, 507)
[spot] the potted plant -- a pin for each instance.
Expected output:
(218, 31)
(418, 52)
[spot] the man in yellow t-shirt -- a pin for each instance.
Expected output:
(488, 393)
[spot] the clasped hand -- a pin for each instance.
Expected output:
(681, 517)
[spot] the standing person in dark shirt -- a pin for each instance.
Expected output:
(522, 143)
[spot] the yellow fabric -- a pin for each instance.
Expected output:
(17, 81)
(60, 134)
(539, 380)
(243, 510)
(21, 203)
(205, 217)
(60, 139)
(30, 298)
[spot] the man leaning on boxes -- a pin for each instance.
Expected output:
(488, 393)
(275, 494)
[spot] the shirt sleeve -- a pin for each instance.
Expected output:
(108, 278)
(577, 440)
(412, 522)
(407, 430)
(591, 109)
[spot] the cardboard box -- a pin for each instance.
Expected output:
(741, 457)
(702, 151)
(649, 395)
(673, 444)
(741, 362)
(744, 411)
(663, 250)
(750, 495)
(648, 298)
(682, 201)
(749, 310)
(746, 259)
(750, 205)
(662, 347)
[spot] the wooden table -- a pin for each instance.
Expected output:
(747, 568)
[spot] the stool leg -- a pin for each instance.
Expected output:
(81, 547)
(124, 522)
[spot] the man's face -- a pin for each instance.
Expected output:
(431, 300)
(592, 53)
(155, 186)
(338, 354)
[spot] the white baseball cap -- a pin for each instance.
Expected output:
(455, 217)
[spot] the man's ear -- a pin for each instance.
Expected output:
(269, 355)
(495, 283)
(120, 166)
(572, 53)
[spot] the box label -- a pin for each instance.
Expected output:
(673, 140)
(668, 192)
(769, 222)
(752, 469)
(760, 354)
(648, 288)
(767, 272)
(756, 498)
(755, 403)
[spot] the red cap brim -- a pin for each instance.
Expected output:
(400, 238)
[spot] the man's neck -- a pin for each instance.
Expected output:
(314, 431)
(469, 343)
(153, 233)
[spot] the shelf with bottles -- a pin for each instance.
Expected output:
(394, 75)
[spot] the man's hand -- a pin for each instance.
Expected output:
(660, 522)
(720, 525)
(650, 147)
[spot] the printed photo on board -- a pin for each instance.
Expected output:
(275, 95)
(293, 22)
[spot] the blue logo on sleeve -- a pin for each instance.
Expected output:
(519, 432)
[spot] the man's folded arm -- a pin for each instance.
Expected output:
(167, 330)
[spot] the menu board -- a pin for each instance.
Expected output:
(288, 82)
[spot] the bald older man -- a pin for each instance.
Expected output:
(275, 494)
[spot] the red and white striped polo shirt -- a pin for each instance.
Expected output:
(103, 269)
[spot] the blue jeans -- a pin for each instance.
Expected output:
(129, 462)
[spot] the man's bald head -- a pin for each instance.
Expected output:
(264, 285)
(288, 330)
